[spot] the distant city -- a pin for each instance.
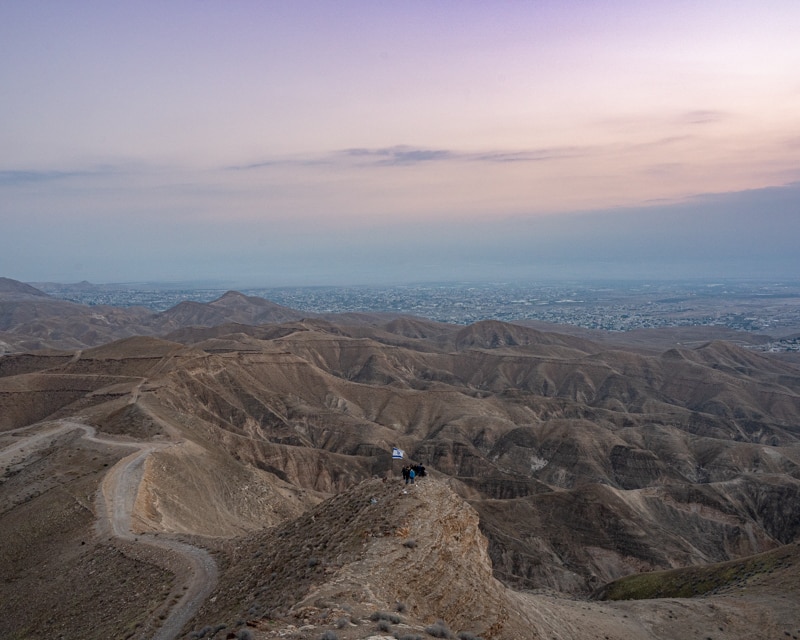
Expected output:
(770, 308)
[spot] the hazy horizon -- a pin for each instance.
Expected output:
(312, 143)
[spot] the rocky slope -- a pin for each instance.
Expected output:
(557, 466)
(384, 559)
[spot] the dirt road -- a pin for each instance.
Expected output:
(194, 568)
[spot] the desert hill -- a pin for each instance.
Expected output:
(14, 289)
(31, 320)
(231, 307)
(557, 465)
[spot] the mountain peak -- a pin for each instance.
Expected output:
(232, 295)
(234, 298)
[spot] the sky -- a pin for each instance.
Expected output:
(272, 143)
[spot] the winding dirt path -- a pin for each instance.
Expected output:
(194, 568)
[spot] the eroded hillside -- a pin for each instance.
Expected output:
(385, 559)
(580, 465)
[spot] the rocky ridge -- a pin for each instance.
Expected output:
(385, 559)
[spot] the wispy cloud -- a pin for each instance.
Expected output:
(400, 155)
(661, 142)
(19, 177)
(663, 121)
(531, 155)
(22, 176)
(281, 162)
(407, 155)
(702, 116)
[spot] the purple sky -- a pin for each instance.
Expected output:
(272, 143)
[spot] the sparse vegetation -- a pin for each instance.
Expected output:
(393, 618)
(439, 630)
(689, 582)
(341, 623)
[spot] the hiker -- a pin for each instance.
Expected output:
(406, 469)
(411, 475)
(419, 470)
